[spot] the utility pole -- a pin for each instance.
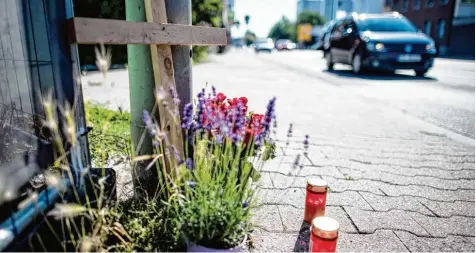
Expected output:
(180, 12)
(142, 87)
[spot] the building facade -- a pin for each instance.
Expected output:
(433, 17)
(311, 5)
(368, 6)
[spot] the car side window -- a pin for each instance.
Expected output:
(336, 27)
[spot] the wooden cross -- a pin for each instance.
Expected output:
(156, 33)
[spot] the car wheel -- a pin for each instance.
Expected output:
(357, 64)
(421, 72)
(330, 64)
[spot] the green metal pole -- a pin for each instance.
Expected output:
(141, 87)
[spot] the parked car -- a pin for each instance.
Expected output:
(386, 41)
(285, 45)
(264, 45)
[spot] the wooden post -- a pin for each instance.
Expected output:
(141, 86)
(180, 12)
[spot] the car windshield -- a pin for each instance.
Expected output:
(386, 25)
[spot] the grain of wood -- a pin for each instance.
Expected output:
(162, 63)
(120, 32)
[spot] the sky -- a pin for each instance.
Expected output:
(263, 15)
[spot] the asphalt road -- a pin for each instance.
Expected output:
(444, 97)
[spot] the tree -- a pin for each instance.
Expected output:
(310, 17)
(283, 29)
(247, 19)
(205, 12)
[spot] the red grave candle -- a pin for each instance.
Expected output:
(324, 234)
(316, 195)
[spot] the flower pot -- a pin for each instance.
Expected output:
(193, 247)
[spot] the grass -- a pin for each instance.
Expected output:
(110, 138)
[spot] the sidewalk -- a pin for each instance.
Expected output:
(397, 183)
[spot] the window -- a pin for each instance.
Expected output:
(416, 4)
(429, 3)
(427, 28)
(441, 28)
(443, 2)
(386, 25)
(405, 6)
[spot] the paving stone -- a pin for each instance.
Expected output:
(470, 239)
(380, 241)
(427, 192)
(386, 203)
(442, 227)
(267, 217)
(421, 171)
(407, 180)
(347, 198)
(425, 244)
(445, 209)
(341, 185)
(292, 218)
(272, 242)
(293, 197)
(331, 171)
(340, 215)
(266, 180)
(369, 221)
(284, 181)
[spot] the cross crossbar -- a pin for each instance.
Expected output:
(110, 31)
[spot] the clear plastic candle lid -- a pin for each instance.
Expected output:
(325, 227)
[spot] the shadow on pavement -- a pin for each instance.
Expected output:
(380, 75)
(302, 242)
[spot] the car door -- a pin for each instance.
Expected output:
(335, 42)
(348, 40)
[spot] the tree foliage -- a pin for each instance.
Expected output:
(310, 17)
(283, 29)
(250, 37)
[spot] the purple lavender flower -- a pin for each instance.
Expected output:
(200, 108)
(177, 155)
(306, 144)
(189, 163)
(174, 95)
(187, 116)
(296, 161)
(214, 91)
(290, 130)
(192, 184)
(269, 115)
(244, 204)
(149, 124)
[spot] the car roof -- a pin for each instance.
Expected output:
(363, 16)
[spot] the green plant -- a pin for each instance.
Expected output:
(216, 196)
(110, 137)
(283, 29)
(149, 226)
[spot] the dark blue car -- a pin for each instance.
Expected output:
(386, 41)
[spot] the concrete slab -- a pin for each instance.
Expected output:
(442, 227)
(425, 244)
(386, 203)
(445, 209)
(380, 241)
(369, 221)
(268, 218)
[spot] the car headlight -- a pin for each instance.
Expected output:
(431, 48)
(370, 46)
(380, 47)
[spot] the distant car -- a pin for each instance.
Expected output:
(387, 41)
(285, 45)
(264, 45)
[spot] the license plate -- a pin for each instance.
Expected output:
(409, 58)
